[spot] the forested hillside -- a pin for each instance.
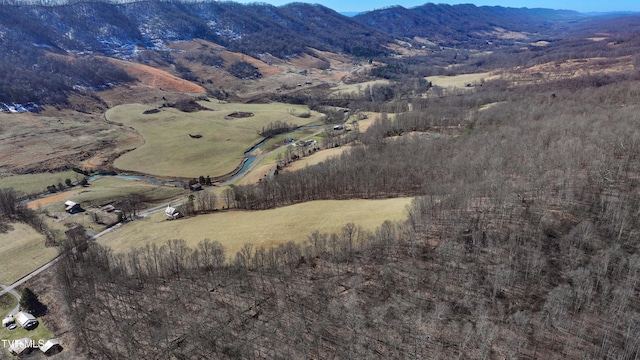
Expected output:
(522, 243)
(485, 26)
(134, 30)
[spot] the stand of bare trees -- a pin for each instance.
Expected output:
(457, 279)
(522, 242)
(14, 209)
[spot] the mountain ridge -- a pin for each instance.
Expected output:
(131, 30)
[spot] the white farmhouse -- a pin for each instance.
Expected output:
(26, 320)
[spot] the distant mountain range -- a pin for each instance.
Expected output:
(29, 32)
(466, 24)
(288, 30)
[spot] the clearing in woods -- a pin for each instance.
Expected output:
(262, 228)
(316, 158)
(461, 81)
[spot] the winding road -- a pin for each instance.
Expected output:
(177, 202)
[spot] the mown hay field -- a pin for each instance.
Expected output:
(170, 151)
(262, 228)
(22, 250)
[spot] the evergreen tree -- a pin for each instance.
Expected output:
(29, 302)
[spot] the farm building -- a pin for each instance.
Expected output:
(51, 347)
(8, 320)
(21, 346)
(26, 320)
(79, 233)
(195, 187)
(171, 212)
(72, 207)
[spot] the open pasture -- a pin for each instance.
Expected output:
(22, 250)
(170, 151)
(36, 183)
(316, 158)
(460, 81)
(110, 188)
(262, 228)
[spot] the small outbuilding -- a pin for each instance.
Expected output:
(26, 320)
(51, 347)
(72, 207)
(8, 320)
(171, 212)
(195, 187)
(21, 346)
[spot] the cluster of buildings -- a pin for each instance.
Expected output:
(26, 345)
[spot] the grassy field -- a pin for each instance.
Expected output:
(263, 228)
(107, 189)
(316, 158)
(460, 81)
(170, 151)
(36, 183)
(22, 250)
(7, 303)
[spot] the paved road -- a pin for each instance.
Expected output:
(155, 209)
(44, 267)
(11, 289)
